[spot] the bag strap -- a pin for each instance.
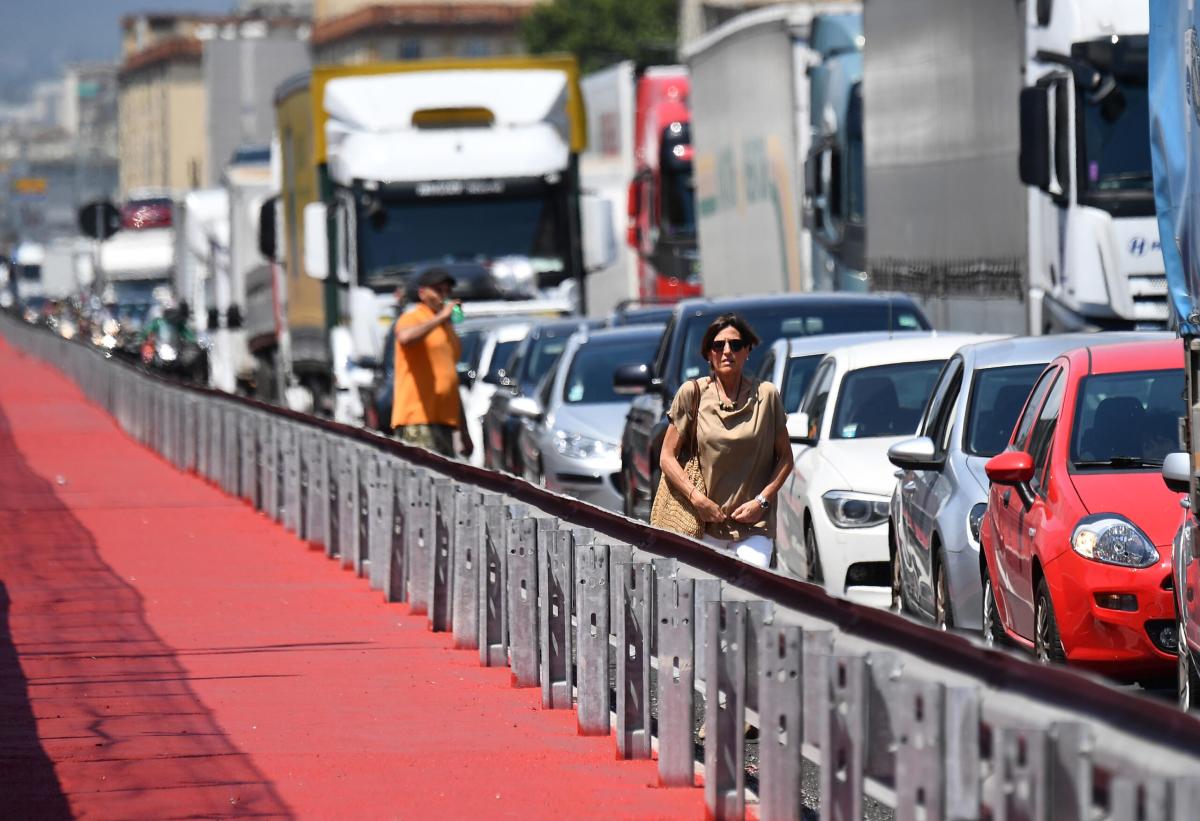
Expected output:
(693, 445)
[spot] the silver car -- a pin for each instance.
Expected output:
(571, 439)
(941, 495)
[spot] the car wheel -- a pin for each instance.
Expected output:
(812, 555)
(993, 629)
(943, 616)
(1047, 644)
(1189, 679)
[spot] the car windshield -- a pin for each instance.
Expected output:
(886, 400)
(543, 353)
(796, 376)
(472, 343)
(501, 355)
(771, 322)
(997, 396)
(1127, 421)
(590, 379)
(404, 232)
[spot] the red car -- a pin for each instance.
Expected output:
(1076, 541)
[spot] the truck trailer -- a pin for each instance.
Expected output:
(751, 140)
(390, 169)
(1008, 177)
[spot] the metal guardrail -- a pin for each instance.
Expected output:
(651, 636)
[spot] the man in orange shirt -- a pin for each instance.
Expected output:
(426, 408)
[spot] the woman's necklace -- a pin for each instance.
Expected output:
(727, 403)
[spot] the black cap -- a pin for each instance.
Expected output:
(432, 277)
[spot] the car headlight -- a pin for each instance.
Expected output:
(578, 446)
(166, 352)
(1113, 539)
(975, 521)
(846, 508)
(514, 275)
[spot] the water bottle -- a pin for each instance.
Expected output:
(456, 313)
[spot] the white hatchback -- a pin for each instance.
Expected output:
(833, 509)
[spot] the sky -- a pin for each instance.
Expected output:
(43, 36)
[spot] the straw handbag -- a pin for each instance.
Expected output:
(672, 509)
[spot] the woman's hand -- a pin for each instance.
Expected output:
(706, 509)
(749, 512)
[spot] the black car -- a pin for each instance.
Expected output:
(678, 359)
(532, 360)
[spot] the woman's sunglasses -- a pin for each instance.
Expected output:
(718, 345)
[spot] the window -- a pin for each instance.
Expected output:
(941, 405)
(1043, 434)
(997, 395)
(817, 398)
(1127, 421)
(590, 379)
(797, 375)
(886, 400)
(1033, 404)
(498, 367)
(766, 371)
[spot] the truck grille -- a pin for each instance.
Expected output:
(1149, 294)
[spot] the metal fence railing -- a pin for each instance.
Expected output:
(668, 645)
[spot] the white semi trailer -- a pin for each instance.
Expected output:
(1008, 178)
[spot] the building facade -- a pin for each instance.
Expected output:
(349, 32)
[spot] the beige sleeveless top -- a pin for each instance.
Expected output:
(737, 448)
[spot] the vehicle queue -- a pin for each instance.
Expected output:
(914, 486)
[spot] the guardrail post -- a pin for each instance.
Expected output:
(591, 638)
(383, 496)
(445, 518)
(1071, 773)
(189, 433)
(556, 566)
(843, 749)
(364, 460)
(333, 501)
(419, 534)
(316, 506)
(523, 537)
(199, 431)
(348, 512)
(960, 738)
(1019, 787)
(781, 719)
(493, 583)
(215, 449)
(304, 458)
(266, 465)
(394, 588)
(703, 592)
(249, 457)
(883, 674)
(279, 502)
(633, 660)
(289, 476)
(468, 548)
(676, 651)
(230, 459)
(1139, 797)
(920, 783)
(724, 711)
(817, 651)
(1185, 797)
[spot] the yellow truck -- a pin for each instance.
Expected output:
(386, 170)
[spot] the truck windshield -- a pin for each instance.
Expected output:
(678, 185)
(397, 233)
(1115, 143)
(30, 273)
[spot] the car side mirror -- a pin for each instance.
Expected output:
(267, 240)
(797, 428)
(316, 240)
(1012, 467)
(918, 453)
(632, 380)
(599, 234)
(1177, 472)
(525, 407)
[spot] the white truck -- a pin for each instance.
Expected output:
(134, 273)
(1008, 175)
(390, 169)
(751, 132)
(26, 269)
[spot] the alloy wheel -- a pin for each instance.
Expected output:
(941, 599)
(811, 554)
(1184, 672)
(1047, 645)
(991, 618)
(897, 592)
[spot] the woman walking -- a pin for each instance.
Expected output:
(740, 435)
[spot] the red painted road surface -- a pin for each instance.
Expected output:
(166, 652)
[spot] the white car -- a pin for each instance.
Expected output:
(833, 509)
(495, 349)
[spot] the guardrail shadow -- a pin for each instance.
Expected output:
(96, 713)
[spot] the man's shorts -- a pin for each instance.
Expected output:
(438, 438)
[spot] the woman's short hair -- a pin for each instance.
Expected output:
(722, 322)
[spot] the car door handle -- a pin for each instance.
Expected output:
(1031, 531)
(1007, 495)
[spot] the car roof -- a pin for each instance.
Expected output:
(623, 333)
(701, 305)
(509, 332)
(1162, 354)
(893, 351)
(1030, 350)
(558, 327)
(797, 346)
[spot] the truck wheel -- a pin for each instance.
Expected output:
(1047, 644)
(1189, 677)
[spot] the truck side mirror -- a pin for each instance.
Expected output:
(633, 233)
(1035, 137)
(599, 234)
(316, 241)
(267, 241)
